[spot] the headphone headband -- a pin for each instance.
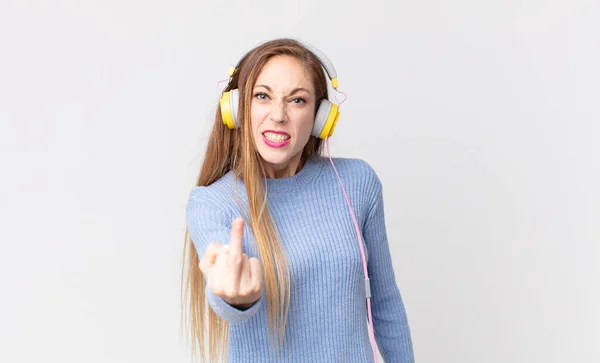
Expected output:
(325, 62)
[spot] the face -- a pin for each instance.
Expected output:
(282, 112)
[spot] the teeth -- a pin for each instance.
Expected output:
(275, 137)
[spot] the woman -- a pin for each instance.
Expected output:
(280, 274)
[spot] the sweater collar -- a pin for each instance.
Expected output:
(303, 178)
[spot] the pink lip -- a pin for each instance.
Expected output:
(276, 144)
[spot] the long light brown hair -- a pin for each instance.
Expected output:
(235, 150)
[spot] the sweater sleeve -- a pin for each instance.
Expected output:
(390, 322)
(207, 224)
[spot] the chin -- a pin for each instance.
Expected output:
(275, 158)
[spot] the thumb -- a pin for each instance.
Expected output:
(207, 267)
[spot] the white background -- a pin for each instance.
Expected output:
(480, 117)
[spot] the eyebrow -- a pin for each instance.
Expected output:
(298, 89)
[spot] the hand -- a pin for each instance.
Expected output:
(231, 274)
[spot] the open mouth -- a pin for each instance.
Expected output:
(276, 139)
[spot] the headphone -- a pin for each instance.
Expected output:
(327, 114)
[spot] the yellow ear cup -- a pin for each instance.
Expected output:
(331, 122)
(226, 115)
(334, 124)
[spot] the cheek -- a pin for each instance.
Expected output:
(305, 124)
(258, 113)
(254, 108)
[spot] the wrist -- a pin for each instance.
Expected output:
(241, 306)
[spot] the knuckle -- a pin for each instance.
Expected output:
(236, 260)
(219, 259)
(231, 291)
(243, 292)
(217, 289)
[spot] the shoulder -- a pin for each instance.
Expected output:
(358, 176)
(214, 196)
(353, 164)
(357, 170)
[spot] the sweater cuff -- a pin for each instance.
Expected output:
(228, 312)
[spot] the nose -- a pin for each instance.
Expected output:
(278, 113)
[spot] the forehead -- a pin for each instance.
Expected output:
(282, 71)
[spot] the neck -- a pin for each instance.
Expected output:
(278, 171)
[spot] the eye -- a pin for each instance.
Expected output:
(299, 100)
(261, 96)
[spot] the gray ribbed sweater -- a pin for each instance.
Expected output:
(327, 321)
